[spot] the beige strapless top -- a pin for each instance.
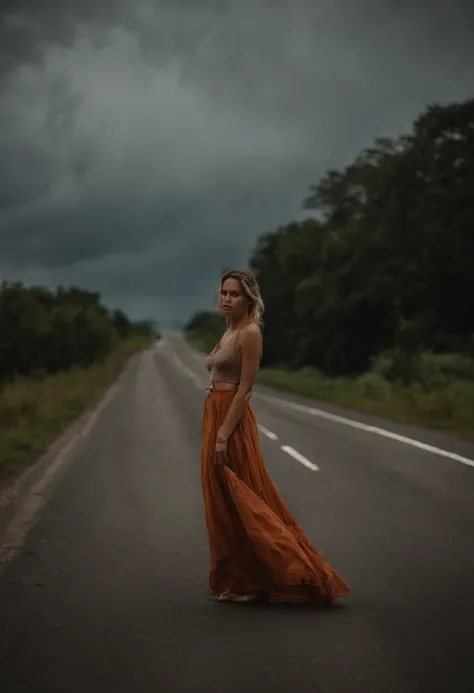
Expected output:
(224, 363)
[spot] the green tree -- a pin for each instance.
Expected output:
(388, 266)
(42, 331)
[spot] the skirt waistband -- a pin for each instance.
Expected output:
(221, 385)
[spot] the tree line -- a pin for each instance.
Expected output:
(44, 331)
(384, 271)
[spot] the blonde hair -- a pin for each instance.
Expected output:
(251, 290)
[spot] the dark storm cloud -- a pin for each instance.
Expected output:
(145, 146)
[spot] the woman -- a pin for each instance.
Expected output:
(258, 550)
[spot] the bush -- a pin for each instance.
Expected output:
(440, 370)
(44, 332)
(448, 407)
(374, 386)
(431, 371)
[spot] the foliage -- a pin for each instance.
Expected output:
(374, 295)
(449, 408)
(59, 350)
(205, 329)
(34, 411)
(387, 267)
(43, 331)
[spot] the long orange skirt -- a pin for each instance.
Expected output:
(256, 545)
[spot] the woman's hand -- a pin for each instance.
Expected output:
(221, 448)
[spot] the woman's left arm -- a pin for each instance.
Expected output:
(251, 346)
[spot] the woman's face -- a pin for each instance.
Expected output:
(233, 301)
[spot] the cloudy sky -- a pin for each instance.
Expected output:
(145, 145)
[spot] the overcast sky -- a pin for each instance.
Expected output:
(145, 145)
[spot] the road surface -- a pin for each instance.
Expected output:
(108, 590)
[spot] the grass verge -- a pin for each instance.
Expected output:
(36, 411)
(449, 408)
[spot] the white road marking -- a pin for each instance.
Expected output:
(267, 433)
(368, 429)
(184, 369)
(298, 456)
(376, 430)
(187, 372)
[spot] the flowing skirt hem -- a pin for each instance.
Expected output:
(257, 546)
(290, 596)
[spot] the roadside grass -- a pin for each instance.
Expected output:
(35, 411)
(446, 406)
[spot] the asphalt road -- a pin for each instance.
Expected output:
(108, 591)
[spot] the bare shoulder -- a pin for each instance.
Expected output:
(250, 336)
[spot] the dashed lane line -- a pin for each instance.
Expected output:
(189, 373)
(375, 430)
(299, 457)
(367, 428)
(267, 433)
